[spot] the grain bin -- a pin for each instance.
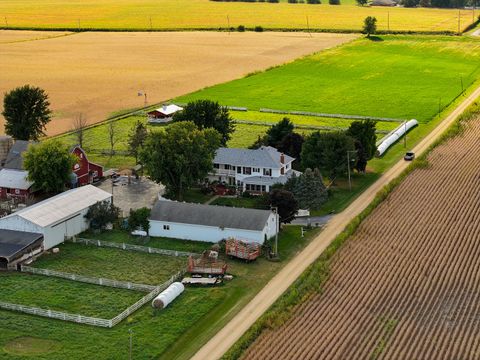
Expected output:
(168, 295)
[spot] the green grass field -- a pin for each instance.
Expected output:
(398, 76)
(64, 295)
(198, 14)
(115, 264)
(173, 333)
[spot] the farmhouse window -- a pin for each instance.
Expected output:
(267, 172)
(247, 170)
(256, 170)
(227, 167)
(17, 191)
(263, 188)
(239, 169)
(166, 227)
(216, 166)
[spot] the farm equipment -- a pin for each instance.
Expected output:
(207, 264)
(242, 250)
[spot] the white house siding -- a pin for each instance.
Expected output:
(203, 233)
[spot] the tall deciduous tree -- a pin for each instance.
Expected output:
(291, 145)
(49, 165)
(328, 152)
(365, 141)
(26, 112)
(180, 156)
(79, 124)
(279, 131)
(286, 204)
(208, 114)
(137, 138)
(370, 25)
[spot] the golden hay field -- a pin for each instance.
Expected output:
(99, 73)
(188, 14)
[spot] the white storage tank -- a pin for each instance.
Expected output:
(168, 295)
(395, 136)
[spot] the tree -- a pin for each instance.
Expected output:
(79, 124)
(49, 165)
(365, 141)
(276, 133)
(112, 136)
(136, 139)
(26, 112)
(291, 145)
(362, 2)
(261, 141)
(286, 204)
(180, 156)
(139, 219)
(208, 114)
(334, 2)
(327, 151)
(101, 214)
(410, 3)
(370, 26)
(308, 189)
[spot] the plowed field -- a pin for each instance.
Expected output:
(407, 284)
(97, 73)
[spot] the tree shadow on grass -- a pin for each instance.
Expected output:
(375, 38)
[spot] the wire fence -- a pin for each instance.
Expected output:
(107, 323)
(132, 247)
(89, 280)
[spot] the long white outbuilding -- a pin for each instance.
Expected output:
(57, 217)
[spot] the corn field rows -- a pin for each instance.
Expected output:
(407, 284)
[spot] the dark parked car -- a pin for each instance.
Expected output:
(409, 156)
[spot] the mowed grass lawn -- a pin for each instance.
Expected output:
(173, 333)
(64, 295)
(110, 263)
(397, 76)
(189, 14)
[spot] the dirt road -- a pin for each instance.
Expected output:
(225, 338)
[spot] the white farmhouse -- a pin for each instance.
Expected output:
(58, 217)
(254, 171)
(211, 223)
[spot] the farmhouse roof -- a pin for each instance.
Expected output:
(12, 242)
(62, 206)
(169, 109)
(265, 156)
(14, 158)
(210, 215)
(14, 179)
(270, 180)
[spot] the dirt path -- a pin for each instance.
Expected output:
(225, 338)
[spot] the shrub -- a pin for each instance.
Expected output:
(313, 2)
(241, 28)
(334, 2)
(293, 1)
(258, 29)
(139, 219)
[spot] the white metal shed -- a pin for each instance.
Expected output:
(57, 217)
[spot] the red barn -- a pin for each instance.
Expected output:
(87, 172)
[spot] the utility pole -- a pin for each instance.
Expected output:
(151, 26)
(308, 27)
(461, 83)
(348, 168)
(228, 24)
(388, 20)
(405, 136)
(6, 22)
(458, 21)
(275, 209)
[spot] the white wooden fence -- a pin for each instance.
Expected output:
(89, 280)
(125, 246)
(108, 323)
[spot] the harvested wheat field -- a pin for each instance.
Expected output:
(99, 73)
(407, 284)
